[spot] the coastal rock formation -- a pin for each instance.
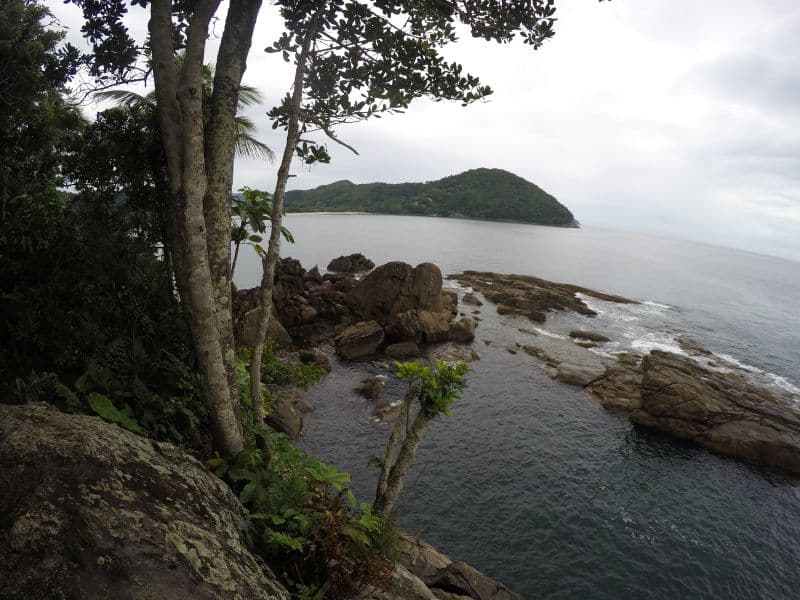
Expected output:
(353, 263)
(721, 411)
(581, 375)
(470, 298)
(419, 326)
(407, 303)
(92, 511)
(717, 409)
(359, 340)
(531, 296)
(397, 287)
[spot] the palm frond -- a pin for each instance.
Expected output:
(244, 125)
(249, 95)
(247, 145)
(126, 98)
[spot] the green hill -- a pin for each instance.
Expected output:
(491, 194)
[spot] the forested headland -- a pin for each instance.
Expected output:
(492, 194)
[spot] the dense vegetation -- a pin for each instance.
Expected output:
(492, 194)
(115, 237)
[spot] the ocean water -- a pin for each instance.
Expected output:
(533, 481)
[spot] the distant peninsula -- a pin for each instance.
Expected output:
(491, 194)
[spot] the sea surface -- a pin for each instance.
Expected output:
(533, 481)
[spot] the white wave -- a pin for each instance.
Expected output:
(603, 353)
(757, 375)
(784, 384)
(739, 364)
(593, 303)
(551, 334)
(658, 305)
(657, 341)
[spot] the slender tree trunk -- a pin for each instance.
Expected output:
(220, 150)
(405, 459)
(273, 249)
(235, 258)
(180, 110)
(394, 439)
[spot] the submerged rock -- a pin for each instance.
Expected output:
(463, 331)
(402, 350)
(92, 511)
(317, 357)
(472, 299)
(371, 387)
(592, 336)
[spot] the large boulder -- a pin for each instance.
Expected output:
(720, 410)
(359, 340)
(420, 326)
(91, 511)
(352, 263)
(247, 329)
(397, 287)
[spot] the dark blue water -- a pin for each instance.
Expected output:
(533, 481)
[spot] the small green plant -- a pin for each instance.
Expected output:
(283, 372)
(308, 518)
(435, 388)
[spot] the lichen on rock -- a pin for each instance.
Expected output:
(89, 510)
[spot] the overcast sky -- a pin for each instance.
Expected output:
(673, 117)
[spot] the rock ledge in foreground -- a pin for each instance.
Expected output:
(90, 510)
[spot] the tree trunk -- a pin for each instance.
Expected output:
(394, 439)
(273, 249)
(384, 504)
(180, 111)
(219, 150)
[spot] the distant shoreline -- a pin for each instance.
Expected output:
(573, 225)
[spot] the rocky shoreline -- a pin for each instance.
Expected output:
(692, 396)
(399, 311)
